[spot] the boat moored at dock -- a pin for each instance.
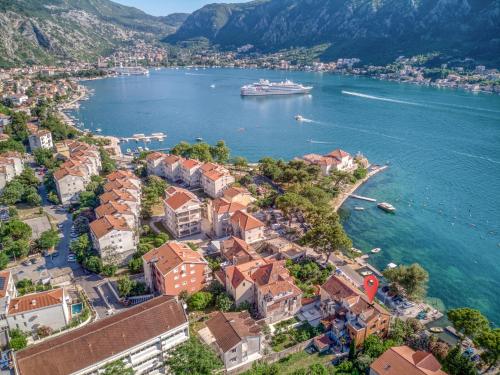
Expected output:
(387, 207)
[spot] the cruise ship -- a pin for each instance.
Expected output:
(264, 87)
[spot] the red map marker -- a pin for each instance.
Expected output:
(371, 286)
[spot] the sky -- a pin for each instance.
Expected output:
(165, 7)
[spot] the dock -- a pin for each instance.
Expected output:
(362, 198)
(145, 138)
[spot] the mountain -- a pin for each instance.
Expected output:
(45, 30)
(377, 31)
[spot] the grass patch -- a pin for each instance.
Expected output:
(158, 210)
(25, 212)
(302, 360)
(286, 336)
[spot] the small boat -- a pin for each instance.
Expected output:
(354, 250)
(387, 207)
(358, 208)
(199, 139)
(392, 265)
(212, 86)
(436, 329)
(98, 130)
(146, 148)
(376, 250)
(366, 273)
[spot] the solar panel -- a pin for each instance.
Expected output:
(2, 282)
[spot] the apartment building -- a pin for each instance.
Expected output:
(190, 173)
(40, 139)
(236, 251)
(172, 167)
(266, 284)
(141, 337)
(118, 210)
(238, 195)
(31, 311)
(122, 174)
(124, 184)
(173, 268)
(69, 184)
(182, 212)
(236, 336)
(349, 312)
(113, 239)
(220, 212)
(215, 179)
(154, 164)
(122, 197)
(7, 292)
(247, 227)
(11, 165)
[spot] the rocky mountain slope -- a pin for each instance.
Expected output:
(377, 31)
(47, 30)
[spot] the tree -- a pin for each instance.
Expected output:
(439, 349)
(15, 230)
(340, 177)
(18, 128)
(4, 260)
(411, 279)
(456, 363)
(44, 157)
(192, 358)
(109, 270)
(291, 203)
(199, 300)
(240, 161)
(489, 341)
(328, 236)
(93, 264)
(117, 368)
(31, 197)
(125, 286)
(81, 224)
(223, 302)
(468, 322)
(352, 349)
(48, 239)
(53, 197)
(44, 331)
(201, 151)
(135, 265)
(360, 173)
(17, 339)
(108, 164)
(318, 369)
(220, 152)
(81, 246)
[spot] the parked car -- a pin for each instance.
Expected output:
(26, 263)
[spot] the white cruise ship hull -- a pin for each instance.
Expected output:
(273, 92)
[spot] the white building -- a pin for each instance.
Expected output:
(247, 227)
(4, 121)
(182, 212)
(113, 239)
(69, 184)
(140, 337)
(41, 139)
(43, 309)
(11, 165)
(337, 160)
(220, 212)
(215, 179)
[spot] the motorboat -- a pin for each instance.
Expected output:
(376, 250)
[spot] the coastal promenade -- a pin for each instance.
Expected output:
(339, 200)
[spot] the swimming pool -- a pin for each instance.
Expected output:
(76, 308)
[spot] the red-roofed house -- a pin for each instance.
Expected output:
(49, 308)
(401, 360)
(154, 164)
(113, 239)
(215, 179)
(247, 227)
(174, 267)
(190, 173)
(336, 160)
(220, 212)
(182, 212)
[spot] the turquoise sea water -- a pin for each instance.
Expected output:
(443, 147)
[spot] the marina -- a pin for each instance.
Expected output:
(160, 137)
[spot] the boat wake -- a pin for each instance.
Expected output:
(475, 156)
(372, 97)
(195, 74)
(320, 142)
(307, 120)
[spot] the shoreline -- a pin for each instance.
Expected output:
(338, 201)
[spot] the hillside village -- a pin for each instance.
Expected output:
(154, 257)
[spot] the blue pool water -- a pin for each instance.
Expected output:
(443, 147)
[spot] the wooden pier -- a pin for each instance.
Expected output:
(362, 198)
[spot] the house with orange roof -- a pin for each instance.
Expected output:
(239, 195)
(236, 251)
(113, 239)
(266, 284)
(215, 179)
(31, 311)
(174, 267)
(123, 184)
(123, 174)
(247, 227)
(183, 212)
(400, 360)
(336, 160)
(118, 210)
(122, 197)
(154, 164)
(219, 213)
(350, 314)
(190, 173)
(172, 167)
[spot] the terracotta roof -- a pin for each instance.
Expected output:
(36, 301)
(229, 329)
(245, 221)
(171, 159)
(238, 251)
(119, 174)
(120, 183)
(112, 208)
(404, 360)
(98, 341)
(214, 174)
(274, 270)
(338, 154)
(171, 255)
(206, 167)
(115, 195)
(180, 198)
(222, 206)
(236, 274)
(108, 223)
(4, 281)
(190, 163)
(154, 156)
(232, 192)
(63, 172)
